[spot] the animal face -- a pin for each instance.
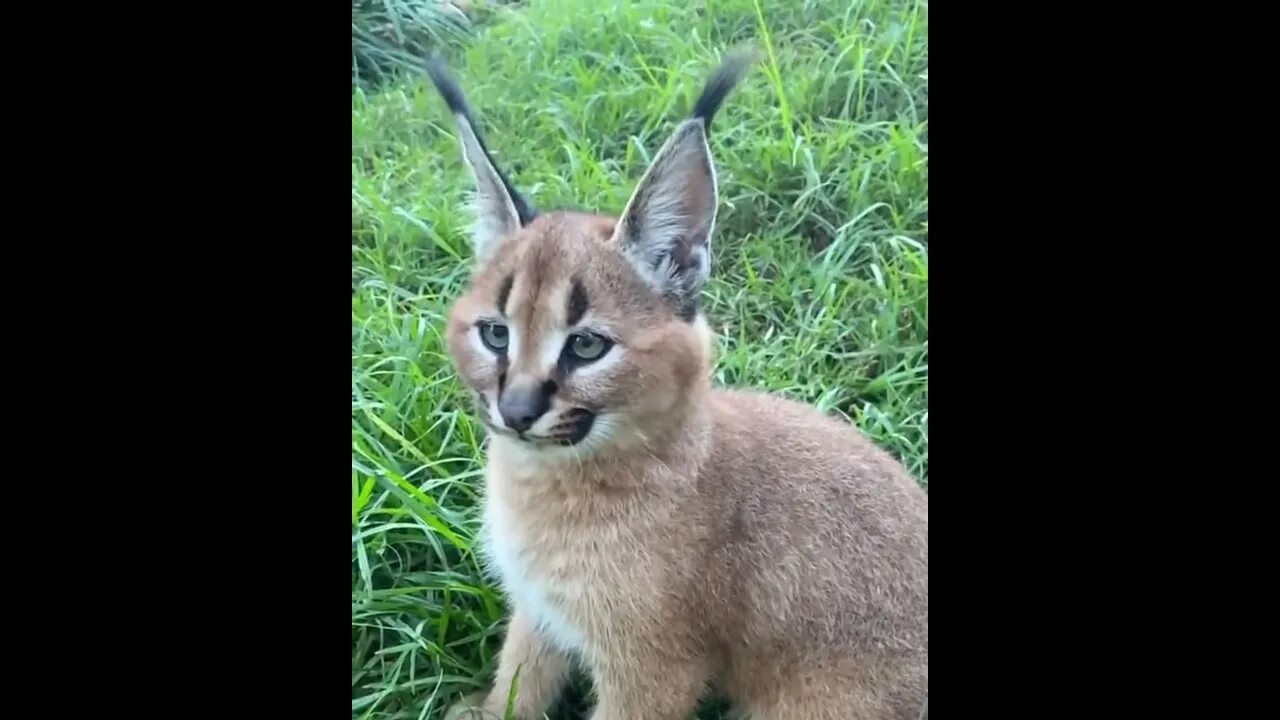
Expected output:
(583, 331)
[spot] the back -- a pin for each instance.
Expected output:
(823, 532)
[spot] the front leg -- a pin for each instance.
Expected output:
(543, 670)
(649, 685)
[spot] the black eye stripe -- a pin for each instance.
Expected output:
(577, 304)
(504, 292)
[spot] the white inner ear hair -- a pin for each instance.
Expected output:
(666, 228)
(495, 213)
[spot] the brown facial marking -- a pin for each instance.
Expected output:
(577, 304)
(502, 374)
(504, 293)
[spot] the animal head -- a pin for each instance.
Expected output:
(579, 330)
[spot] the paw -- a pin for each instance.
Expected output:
(470, 707)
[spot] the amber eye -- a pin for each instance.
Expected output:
(585, 347)
(494, 337)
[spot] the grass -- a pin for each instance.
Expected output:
(395, 35)
(819, 292)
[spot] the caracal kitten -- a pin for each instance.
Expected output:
(667, 537)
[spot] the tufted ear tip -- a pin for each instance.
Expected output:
(499, 209)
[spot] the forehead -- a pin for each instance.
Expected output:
(556, 265)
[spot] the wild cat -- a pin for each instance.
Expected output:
(665, 536)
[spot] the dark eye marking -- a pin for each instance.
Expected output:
(504, 292)
(577, 304)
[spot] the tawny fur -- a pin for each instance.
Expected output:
(723, 537)
(697, 538)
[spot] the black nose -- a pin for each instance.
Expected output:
(521, 405)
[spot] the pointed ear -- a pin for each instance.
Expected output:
(666, 228)
(499, 209)
(493, 206)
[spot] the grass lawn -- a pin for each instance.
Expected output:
(820, 288)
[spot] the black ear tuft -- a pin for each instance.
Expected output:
(456, 100)
(720, 84)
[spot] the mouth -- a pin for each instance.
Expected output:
(573, 428)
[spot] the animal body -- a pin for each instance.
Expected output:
(667, 536)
